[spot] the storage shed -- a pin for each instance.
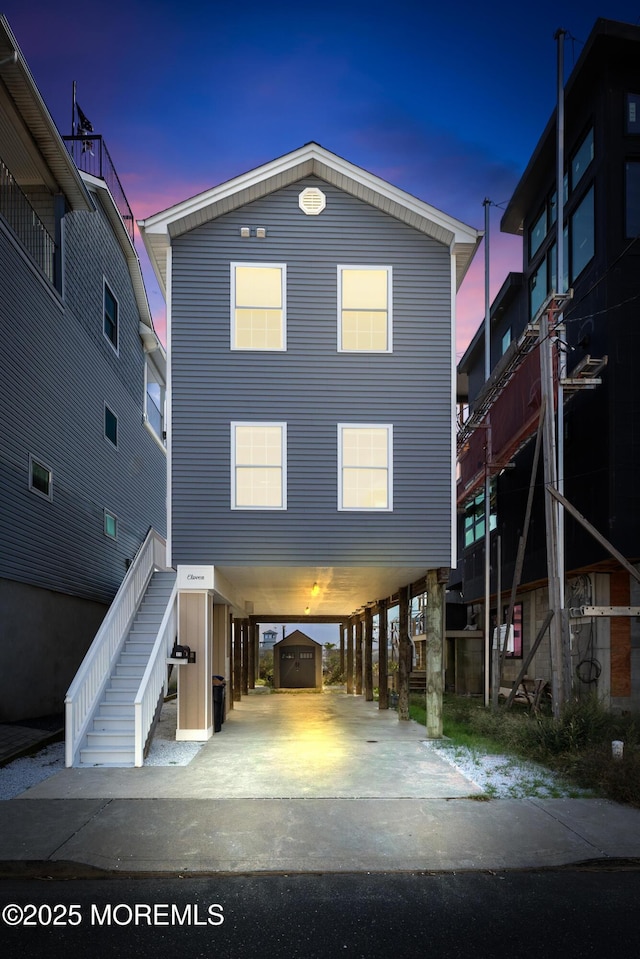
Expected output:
(297, 662)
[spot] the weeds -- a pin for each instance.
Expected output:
(577, 746)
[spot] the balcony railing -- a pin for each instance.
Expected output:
(90, 155)
(25, 222)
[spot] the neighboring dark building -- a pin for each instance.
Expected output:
(602, 445)
(82, 458)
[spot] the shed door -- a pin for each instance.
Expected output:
(298, 667)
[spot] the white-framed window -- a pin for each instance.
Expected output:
(258, 466)
(365, 466)
(110, 317)
(364, 309)
(258, 306)
(110, 525)
(40, 478)
(155, 400)
(110, 425)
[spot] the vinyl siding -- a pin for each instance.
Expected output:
(312, 388)
(58, 371)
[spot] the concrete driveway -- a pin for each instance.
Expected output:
(283, 746)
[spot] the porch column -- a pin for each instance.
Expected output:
(245, 657)
(229, 661)
(195, 717)
(359, 656)
(220, 665)
(251, 657)
(368, 655)
(383, 672)
(434, 628)
(404, 653)
(237, 660)
(343, 630)
(350, 656)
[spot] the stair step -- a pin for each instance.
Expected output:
(115, 711)
(130, 670)
(122, 724)
(124, 682)
(107, 756)
(119, 696)
(112, 738)
(128, 658)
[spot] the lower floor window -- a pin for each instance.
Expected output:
(40, 478)
(258, 453)
(365, 467)
(110, 525)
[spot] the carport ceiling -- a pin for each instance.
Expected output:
(269, 592)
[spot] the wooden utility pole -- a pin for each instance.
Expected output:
(368, 655)
(549, 453)
(434, 628)
(383, 662)
(404, 653)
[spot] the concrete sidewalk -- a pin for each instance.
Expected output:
(303, 783)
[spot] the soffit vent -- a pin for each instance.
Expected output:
(312, 201)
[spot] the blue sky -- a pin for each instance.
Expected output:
(446, 101)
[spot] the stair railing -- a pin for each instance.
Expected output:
(92, 677)
(154, 677)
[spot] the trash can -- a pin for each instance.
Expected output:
(218, 702)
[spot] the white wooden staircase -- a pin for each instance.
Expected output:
(110, 739)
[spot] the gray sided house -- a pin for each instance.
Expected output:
(82, 458)
(311, 320)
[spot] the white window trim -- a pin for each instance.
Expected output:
(283, 464)
(283, 273)
(36, 459)
(367, 426)
(114, 346)
(367, 266)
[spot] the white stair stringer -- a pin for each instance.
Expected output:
(110, 740)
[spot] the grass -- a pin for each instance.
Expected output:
(577, 746)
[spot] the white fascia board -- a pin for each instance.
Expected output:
(458, 231)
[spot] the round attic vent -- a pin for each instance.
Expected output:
(312, 201)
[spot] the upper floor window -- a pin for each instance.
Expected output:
(582, 234)
(538, 288)
(154, 402)
(258, 306)
(365, 459)
(110, 327)
(474, 516)
(110, 425)
(632, 117)
(364, 309)
(537, 233)
(632, 198)
(40, 478)
(581, 159)
(258, 465)
(505, 343)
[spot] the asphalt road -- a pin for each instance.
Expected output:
(561, 913)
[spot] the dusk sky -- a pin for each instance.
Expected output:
(445, 101)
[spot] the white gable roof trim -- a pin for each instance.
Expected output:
(158, 230)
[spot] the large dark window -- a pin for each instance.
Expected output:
(111, 425)
(582, 235)
(581, 159)
(632, 198)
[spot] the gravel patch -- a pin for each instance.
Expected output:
(505, 777)
(28, 771)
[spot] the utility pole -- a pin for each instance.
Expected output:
(487, 474)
